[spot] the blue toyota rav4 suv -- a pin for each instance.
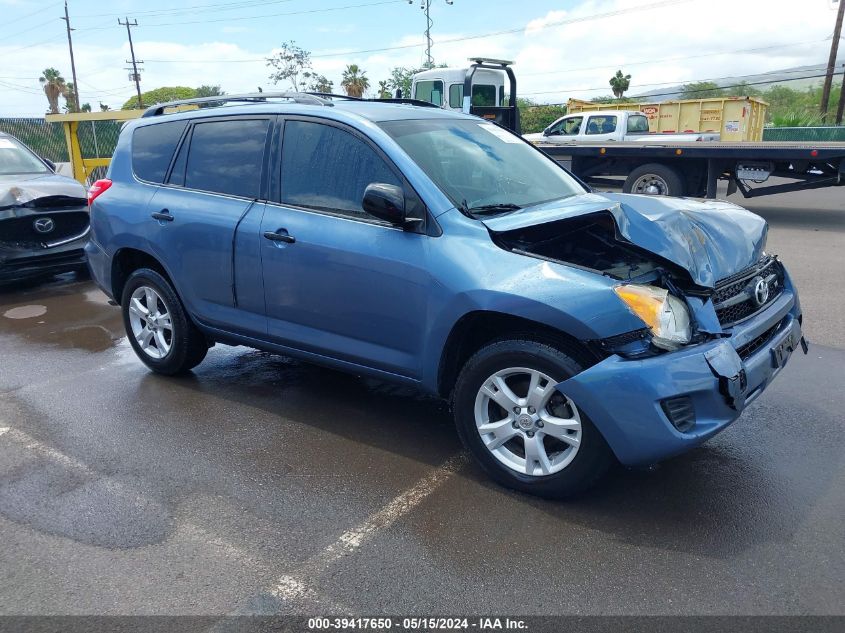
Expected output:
(566, 328)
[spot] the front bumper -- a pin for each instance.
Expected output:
(623, 397)
(16, 264)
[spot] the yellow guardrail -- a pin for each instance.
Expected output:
(83, 167)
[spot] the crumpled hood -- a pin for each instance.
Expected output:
(710, 239)
(19, 189)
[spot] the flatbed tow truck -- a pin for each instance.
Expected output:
(695, 168)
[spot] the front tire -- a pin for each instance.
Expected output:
(525, 434)
(158, 328)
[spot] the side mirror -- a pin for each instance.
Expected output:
(50, 164)
(546, 132)
(386, 202)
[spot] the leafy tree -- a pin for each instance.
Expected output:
(289, 63)
(54, 86)
(86, 107)
(208, 91)
(620, 83)
(742, 89)
(701, 90)
(314, 82)
(104, 107)
(161, 95)
(70, 97)
(535, 117)
(355, 81)
(401, 78)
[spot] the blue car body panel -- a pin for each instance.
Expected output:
(382, 301)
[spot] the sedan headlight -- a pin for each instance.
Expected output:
(666, 315)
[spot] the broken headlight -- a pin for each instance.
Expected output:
(666, 315)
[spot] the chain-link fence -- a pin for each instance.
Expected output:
(832, 133)
(97, 139)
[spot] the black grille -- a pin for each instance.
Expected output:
(22, 229)
(734, 298)
(746, 351)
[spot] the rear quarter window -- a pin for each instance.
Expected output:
(153, 147)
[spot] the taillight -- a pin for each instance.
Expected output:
(97, 188)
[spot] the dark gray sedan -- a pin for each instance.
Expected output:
(43, 216)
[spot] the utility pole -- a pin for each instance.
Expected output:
(425, 5)
(72, 63)
(136, 76)
(831, 63)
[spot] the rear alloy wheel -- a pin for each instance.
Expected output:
(523, 431)
(158, 328)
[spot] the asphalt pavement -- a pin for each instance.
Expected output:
(263, 485)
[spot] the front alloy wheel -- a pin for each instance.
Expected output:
(527, 424)
(524, 432)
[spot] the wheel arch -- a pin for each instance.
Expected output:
(127, 260)
(478, 328)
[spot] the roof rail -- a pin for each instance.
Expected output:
(416, 102)
(253, 97)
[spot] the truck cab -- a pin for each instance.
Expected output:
(600, 126)
(444, 87)
(478, 89)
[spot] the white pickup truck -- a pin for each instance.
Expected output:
(601, 126)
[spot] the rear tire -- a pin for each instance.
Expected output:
(656, 180)
(158, 328)
(524, 433)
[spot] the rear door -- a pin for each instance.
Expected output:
(215, 187)
(601, 128)
(341, 283)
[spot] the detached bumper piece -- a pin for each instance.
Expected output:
(652, 408)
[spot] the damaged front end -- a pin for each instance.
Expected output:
(44, 224)
(697, 277)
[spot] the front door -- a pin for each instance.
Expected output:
(338, 282)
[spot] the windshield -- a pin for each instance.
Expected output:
(17, 159)
(480, 166)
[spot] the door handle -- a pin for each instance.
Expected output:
(163, 215)
(277, 236)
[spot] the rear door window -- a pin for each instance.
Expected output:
(638, 124)
(153, 147)
(484, 95)
(601, 125)
(227, 157)
(326, 168)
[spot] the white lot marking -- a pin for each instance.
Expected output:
(294, 586)
(3, 429)
(37, 447)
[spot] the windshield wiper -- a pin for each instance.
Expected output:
(497, 207)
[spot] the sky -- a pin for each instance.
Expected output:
(561, 48)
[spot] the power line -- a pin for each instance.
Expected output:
(674, 92)
(24, 17)
(211, 8)
(275, 15)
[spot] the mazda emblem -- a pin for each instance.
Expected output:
(44, 225)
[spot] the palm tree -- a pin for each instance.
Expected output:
(620, 83)
(354, 81)
(384, 89)
(70, 97)
(54, 87)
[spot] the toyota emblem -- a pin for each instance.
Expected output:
(761, 292)
(44, 225)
